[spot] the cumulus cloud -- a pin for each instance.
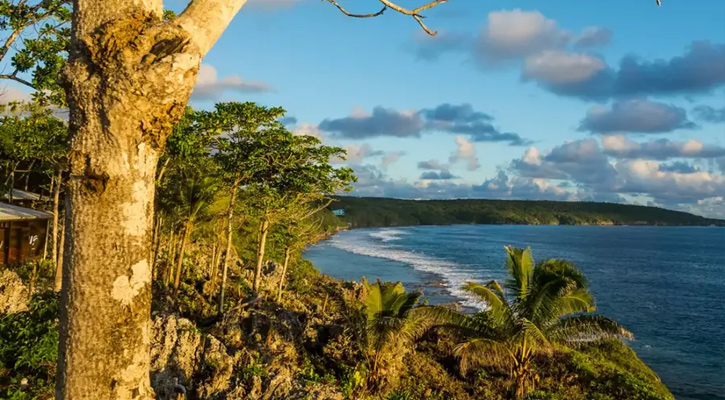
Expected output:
(356, 153)
(391, 158)
(709, 114)
(374, 182)
(382, 122)
(448, 118)
(620, 146)
(10, 94)
(308, 129)
(636, 115)
(465, 152)
(699, 70)
(558, 67)
(210, 87)
(515, 34)
(435, 175)
(588, 166)
(434, 165)
(288, 120)
(681, 167)
(593, 36)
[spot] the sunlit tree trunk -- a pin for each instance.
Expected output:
(283, 276)
(261, 247)
(54, 231)
(228, 251)
(182, 251)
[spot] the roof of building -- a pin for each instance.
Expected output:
(23, 195)
(9, 212)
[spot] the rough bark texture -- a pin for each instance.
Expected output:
(261, 247)
(128, 79)
(129, 76)
(227, 254)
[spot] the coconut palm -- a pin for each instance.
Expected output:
(549, 306)
(392, 318)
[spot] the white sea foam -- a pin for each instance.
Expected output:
(388, 235)
(452, 274)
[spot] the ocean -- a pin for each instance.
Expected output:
(665, 284)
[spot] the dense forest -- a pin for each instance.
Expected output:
(369, 212)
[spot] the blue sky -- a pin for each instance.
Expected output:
(616, 101)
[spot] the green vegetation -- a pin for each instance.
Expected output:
(370, 212)
(549, 310)
(237, 313)
(342, 340)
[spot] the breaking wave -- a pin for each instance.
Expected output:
(452, 274)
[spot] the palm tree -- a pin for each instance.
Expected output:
(549, 307)
(392, 318)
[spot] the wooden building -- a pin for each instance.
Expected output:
(23, 234)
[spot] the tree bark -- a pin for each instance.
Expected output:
(128, 77)
(157, 244)
(58, 284)
(54, 231)
(284, 274)
(180, 262)
(261, 247)
(228, 252)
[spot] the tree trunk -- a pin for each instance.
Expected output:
(128, 77)
(228, 252)
(284, 273)
(180, 262)
(11, 187)
(157, 244)
(58, 284)
(261, 247)
(54, 231)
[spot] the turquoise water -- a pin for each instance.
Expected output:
(665, 284)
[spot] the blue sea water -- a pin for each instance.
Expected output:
(665, 284)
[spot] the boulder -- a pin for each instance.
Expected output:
(14, 294)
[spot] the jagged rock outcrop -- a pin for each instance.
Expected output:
(14, 294)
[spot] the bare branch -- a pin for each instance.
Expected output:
(14, 77)
(349, 14)
(415, 13)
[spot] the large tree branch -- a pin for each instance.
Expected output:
(206, 20)
(415, 13)
(14, 77)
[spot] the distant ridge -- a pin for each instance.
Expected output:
(370, 212)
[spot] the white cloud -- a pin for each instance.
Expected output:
(391, 158)
(559, 67)
(511, 35)
(308, 129)
(10, 94)
(465, 152)
(210, 87)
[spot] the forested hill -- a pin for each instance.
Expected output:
(368, 212)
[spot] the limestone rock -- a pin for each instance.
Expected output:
(13, 293)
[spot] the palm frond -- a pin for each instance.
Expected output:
(520, 265)
(586, 328)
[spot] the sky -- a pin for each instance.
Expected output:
(618, 101)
